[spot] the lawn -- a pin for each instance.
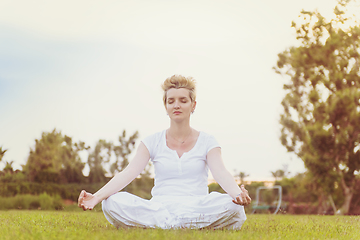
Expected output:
(19, 224)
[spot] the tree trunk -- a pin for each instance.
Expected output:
(332, 204)
(321, 208)
(348, 193)
(291, 204)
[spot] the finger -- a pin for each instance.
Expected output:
(239, 200)
(80, 201)
(243, 189)
(81, 197)
(236, 202)
(244, 198)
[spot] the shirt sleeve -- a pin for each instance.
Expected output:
(150, 143)
(211, 143)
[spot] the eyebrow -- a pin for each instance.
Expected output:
(180, 98)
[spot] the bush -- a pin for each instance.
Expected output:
(27, 201)
(65, 191)
(140, 187)
(46, 201)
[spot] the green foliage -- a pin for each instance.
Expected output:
(122, 152)
(355, 206)
(215, 187)
(102, 153)
(321, 119)
(278, 174)
(252, 188)
(97, 159)
(303, 196)
(140, 187)
(27, 201)
(2, 153)
(242, 176)
(65, 191)
(7, 176)
(55, 159)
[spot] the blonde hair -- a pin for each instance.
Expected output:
(179, 81)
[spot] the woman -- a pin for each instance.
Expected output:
(181, 156)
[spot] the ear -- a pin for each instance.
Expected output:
(193, 105)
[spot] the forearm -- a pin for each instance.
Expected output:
(122, 179)
(221, 174)
(117, 183)
(227, 182)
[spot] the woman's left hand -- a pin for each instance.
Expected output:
(243, 198)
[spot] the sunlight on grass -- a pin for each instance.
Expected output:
(93, 225)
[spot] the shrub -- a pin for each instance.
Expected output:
(27, 201)
(46, 202)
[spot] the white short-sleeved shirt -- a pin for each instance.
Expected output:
(184, 176)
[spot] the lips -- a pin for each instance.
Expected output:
(177, 112)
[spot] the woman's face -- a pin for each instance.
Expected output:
(178, 103)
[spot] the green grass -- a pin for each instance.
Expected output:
(20, 224)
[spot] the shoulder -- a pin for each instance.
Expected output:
(152, 141)
(208, 141)
(207, 137)
(153, 138)
(155, 135)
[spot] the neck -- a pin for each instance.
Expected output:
(179, 130)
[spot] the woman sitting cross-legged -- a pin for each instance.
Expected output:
(181, 156)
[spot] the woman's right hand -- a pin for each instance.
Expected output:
(87, 201)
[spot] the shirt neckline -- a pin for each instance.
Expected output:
(196, 143)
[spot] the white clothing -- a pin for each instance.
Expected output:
(184, 176)
(180, 194)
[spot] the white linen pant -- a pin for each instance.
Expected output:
(214, 211)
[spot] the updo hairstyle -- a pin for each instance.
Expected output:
(179, 81)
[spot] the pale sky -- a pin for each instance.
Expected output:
(94, 68)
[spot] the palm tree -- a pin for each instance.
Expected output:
(242, 176)
(278, 174)
(8, 167)
(2, 153)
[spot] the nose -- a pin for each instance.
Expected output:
(176, 105)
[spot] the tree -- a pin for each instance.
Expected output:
(2, 153)
(278, 174)
(321, 118)
(122, 151)
(55, 159)
(72, 165)
(8, 167)
(242, 176)
(97, 159)
(281, 173)
(102, 155)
